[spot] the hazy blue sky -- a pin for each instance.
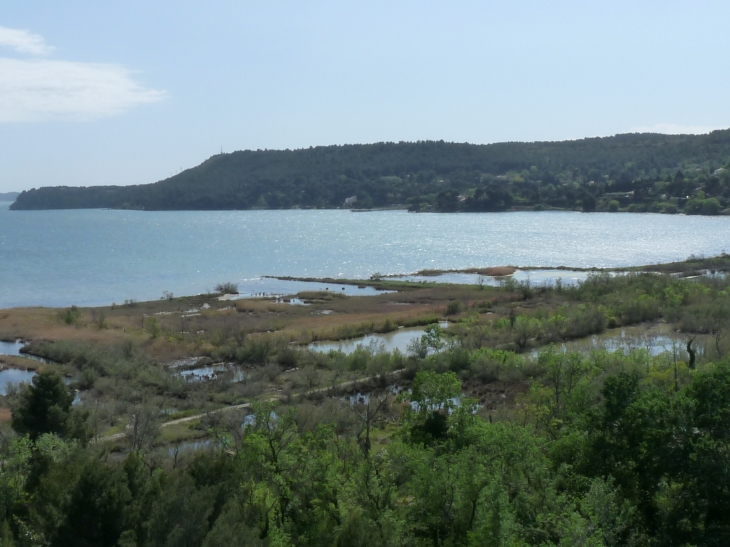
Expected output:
(130, 92)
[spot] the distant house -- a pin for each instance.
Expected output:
(350, 201)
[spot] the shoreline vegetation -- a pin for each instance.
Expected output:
(692, 266)
(670, 174)
(537, 414)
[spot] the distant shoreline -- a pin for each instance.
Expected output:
(690, 174)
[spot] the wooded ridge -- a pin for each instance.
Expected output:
(634, 172)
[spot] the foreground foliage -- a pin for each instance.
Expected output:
(604, 451)
(614, 448)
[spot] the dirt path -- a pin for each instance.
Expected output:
(349, 383)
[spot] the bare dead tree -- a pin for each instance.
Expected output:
(691, 352)
(311, 376)
(368, 414)
(143, 427)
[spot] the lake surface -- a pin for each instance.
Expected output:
(96, 257)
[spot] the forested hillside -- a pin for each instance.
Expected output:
(636, 172)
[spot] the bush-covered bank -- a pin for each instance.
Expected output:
(610, 449)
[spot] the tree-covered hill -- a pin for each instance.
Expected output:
(662, 173)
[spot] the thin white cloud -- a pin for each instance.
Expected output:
(38, 90)
(23, 41)
(42, 89)
(61, 90)
(674, 129)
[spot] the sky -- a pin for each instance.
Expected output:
(132, 92)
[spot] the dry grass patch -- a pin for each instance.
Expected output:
(263, 306)
(499, 271)
(5, 415)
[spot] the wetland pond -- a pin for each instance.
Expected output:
(656, 340)
(214, 372)
(14, 376)
(388, 341)
(13, 348)
(18, 375)
(535, 277)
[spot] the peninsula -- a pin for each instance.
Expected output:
(646, 172)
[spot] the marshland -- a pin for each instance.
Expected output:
(240, 384)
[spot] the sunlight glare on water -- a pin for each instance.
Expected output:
(95, 257)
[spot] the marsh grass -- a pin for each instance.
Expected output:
(123, 364)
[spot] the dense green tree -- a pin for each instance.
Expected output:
(44, 406)
(95, 509)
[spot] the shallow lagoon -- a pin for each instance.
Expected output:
(13, 348)
(96, 257)
(10, 348)
(535, 277)
(267, 287)
(14, 376)
(655, 339)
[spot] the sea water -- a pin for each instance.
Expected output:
(97, 256)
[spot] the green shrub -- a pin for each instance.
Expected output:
(458, 359)
(152, 325)
(454, 307)
(613, 206)
(70, 316)
(638, 310)
(711, 207)
(227, 288)
(99, 319)
(585, 320)
(388, 326)
(287, 357)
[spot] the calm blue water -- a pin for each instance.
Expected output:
(14, 376)
(94, 257)
(13, 348)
